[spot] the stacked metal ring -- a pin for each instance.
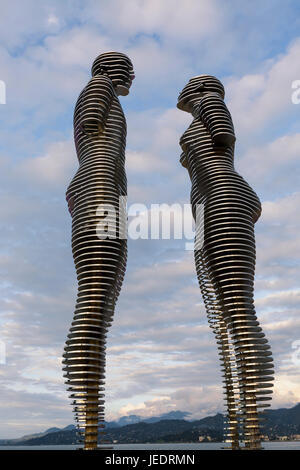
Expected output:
(225, 258)
(94, 198)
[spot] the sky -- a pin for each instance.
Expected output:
(161, 353)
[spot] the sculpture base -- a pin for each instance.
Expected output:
(97, 448)
(241, 448)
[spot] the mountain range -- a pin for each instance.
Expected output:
(168, 427)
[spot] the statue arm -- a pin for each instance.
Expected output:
(215, 115)
(96, 101)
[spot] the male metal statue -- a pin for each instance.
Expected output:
(94, 194)
(225, 209)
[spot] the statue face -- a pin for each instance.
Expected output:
(118, 67)
(126, 74)
(196, 88)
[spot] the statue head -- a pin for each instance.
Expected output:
(117, 67)
(196, 88)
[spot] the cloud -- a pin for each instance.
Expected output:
(23, 416)
(187, 22)
(272, 167)
(54, 168)
(282, 211)
(255, 99)
(143, 162)
(192, 398)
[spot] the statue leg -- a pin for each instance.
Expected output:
(100, 267)
(217, 323)
(229, 254)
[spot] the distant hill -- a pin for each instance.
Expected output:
(284, 421)
(123, 421)
(133, 419)
(24, 439)
(169, 427)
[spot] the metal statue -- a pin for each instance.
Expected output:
(225, 256)
(94, 192)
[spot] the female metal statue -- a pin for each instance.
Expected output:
(225, 256)
(94, 192)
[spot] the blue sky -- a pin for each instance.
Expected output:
(161, 353)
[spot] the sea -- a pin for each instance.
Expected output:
(278, 445)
